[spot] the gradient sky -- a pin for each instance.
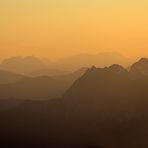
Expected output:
(57, 28)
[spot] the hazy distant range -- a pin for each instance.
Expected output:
(34, 78)
(31, 65)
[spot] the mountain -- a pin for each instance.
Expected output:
(97, 81)
(86, 60)
(33, 66)
(114, 79)
(104, 108)
(9, 77)
(23, 65)
(140, 67)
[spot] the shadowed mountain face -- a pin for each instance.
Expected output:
(112, 87)
(97, 81)
(104, 108)
(140, 67)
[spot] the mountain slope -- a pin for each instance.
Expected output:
(140, 67)
(70, 78)
(9, 77)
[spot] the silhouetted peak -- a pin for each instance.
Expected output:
(143, 60)
(140, 67)
(93, 67)
(117, 68)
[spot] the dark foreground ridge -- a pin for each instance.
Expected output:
(105, 108)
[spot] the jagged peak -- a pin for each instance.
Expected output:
(117, 68)
(140, 67)
(143, 60)
(93, 68)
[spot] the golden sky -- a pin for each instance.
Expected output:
(57, 28)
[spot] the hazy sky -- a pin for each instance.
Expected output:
(56, 28)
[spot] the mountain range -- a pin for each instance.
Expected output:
(17, 86)
(22, 65)
(100, 60)
(104, 108)
(33, 66)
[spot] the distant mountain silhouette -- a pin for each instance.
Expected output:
(22, 65)
(33, 66)
(81, 60)
(9, 77)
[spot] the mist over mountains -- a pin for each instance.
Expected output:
(99, 108)
(100, 60)
(34, 78)
(34, 66)
(22, 65)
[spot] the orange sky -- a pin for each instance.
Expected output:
(57, 28)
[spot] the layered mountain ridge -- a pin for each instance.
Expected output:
(104, 108)
(114, 81)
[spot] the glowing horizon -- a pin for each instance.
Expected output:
(59, 28)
